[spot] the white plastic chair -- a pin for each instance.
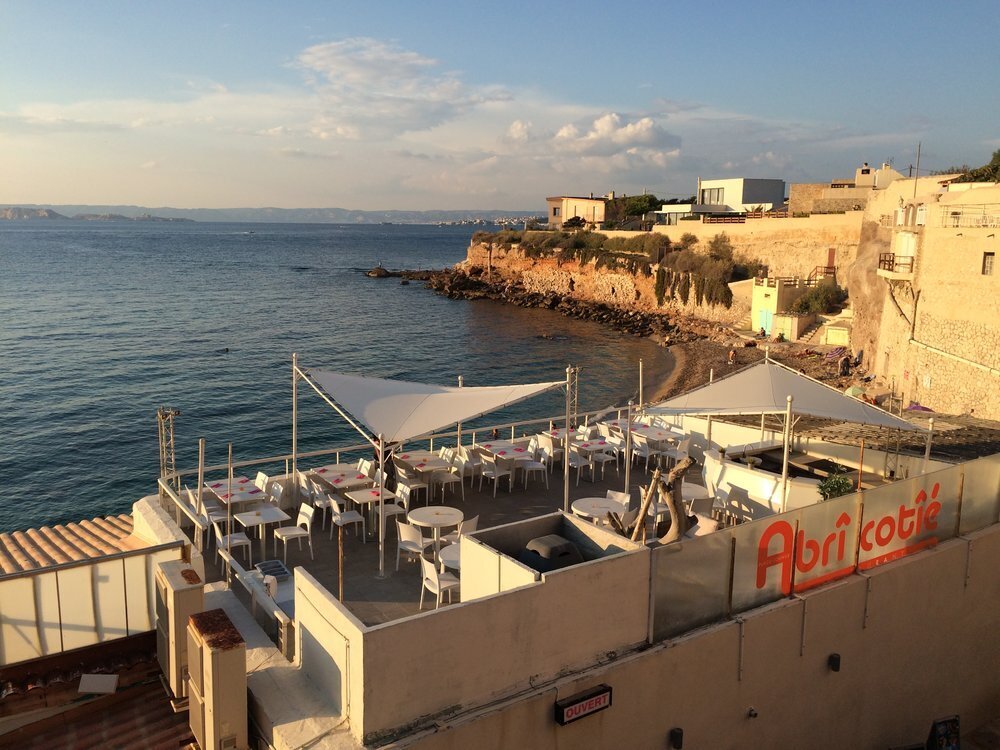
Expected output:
(464, 527)
(622, 498)
(473, 463)
(449, 476)
(641, 448)
(340, 517)
(301, 530)
(409, 541)
(602, 458)
(495, 471)
(680, 452)
(277, 491)
(435, 582)
(231, 542)
(261, 481)
(578, 461)
(406, 475)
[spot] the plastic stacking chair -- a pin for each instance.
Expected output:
(465, 527)
(495, 471)
(301, 530)
(261, 481)
(641, 448)
(450, 476)
(340, 517)
(435, 582)
(579, 462)
(409, 541)
(680, 452)
(231, 542)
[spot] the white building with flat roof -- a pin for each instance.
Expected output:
(738, 194)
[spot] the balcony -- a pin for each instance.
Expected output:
(983, 216)
(895, 267)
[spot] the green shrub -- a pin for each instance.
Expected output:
(660, 287)
(835, 485)
(825, 297)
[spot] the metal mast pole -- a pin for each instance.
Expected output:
(784, 460)
(628, 449)
(566, 444)
(295, 420)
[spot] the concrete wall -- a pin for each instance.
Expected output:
(330, 647)
(472, 654)
(916, 640)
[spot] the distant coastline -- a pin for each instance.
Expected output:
(468, 217)
(19, 213)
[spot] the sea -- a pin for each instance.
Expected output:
(102, 323)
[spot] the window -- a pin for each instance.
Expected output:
(555, 212)
(988, 263)
(712, 196)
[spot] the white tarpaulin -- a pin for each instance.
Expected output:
(399, 410)
(764, 389)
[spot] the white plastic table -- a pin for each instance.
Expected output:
(500, 448)
(243, 491)
(351, 479)
(451, 557)
(261, 518)
(436, 517)
(596, 508)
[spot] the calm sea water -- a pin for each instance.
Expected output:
(100, 324)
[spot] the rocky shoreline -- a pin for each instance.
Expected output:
(457, 284)
(698, 347)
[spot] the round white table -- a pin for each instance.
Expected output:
(436, 517)
(691, 492)
(596, 508)
(451, 556)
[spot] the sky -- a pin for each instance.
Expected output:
(460, 105)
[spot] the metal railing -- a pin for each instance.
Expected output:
(984, 215)
(364, 450)
(895, 263)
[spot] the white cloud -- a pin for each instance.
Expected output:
(374, 89)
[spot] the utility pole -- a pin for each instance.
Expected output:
(917, 176)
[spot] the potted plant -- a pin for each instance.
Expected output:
(835, 485)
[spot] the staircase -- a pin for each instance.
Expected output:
(811, 334)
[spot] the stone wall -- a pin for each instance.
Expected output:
(801, 196)
(934, 338)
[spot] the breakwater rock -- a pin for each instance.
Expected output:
(381, 272)
(476, 284)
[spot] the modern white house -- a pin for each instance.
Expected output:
(738, 194)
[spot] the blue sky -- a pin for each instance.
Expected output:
(453, 105)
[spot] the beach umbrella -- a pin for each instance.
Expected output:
(855, 391)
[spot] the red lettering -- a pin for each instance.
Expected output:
(889, 525)
(844, 520)
(906, 528)
(783, 558)
(930, 517)
(866, 544)
(810, 546)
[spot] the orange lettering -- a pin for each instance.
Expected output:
(782, 558)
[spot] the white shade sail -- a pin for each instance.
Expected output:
(399, 410)
(764, 388)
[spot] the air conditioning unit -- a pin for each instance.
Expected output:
(217, 682)
(179, 594)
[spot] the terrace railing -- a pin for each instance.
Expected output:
(895, 263)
